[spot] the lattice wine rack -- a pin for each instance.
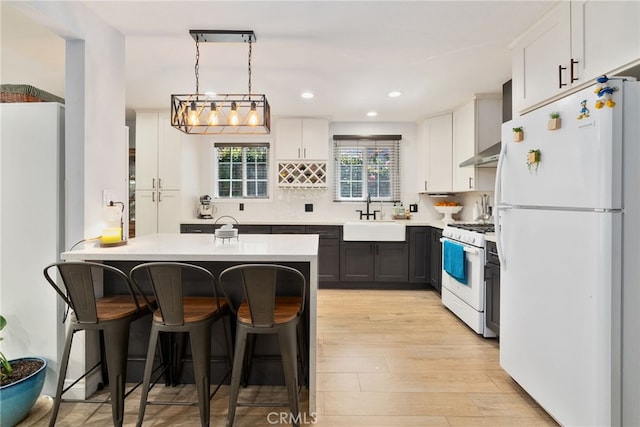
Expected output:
(298, 174)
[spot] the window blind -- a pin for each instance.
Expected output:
(366, 166)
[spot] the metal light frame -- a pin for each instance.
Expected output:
(202, 114)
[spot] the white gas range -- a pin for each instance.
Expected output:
(466, 300)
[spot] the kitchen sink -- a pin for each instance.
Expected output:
(373, 231)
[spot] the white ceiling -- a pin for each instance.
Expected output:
(350, 54)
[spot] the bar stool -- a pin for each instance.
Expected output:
(264, 310)
(178, 313)
(110, 315)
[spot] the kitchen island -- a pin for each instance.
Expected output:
(299, 251)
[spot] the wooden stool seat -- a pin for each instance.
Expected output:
(197, 309)
(119, 306)
(285, 310)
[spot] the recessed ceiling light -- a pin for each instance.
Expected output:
(394, 94)
(307, 95)
(372, 114)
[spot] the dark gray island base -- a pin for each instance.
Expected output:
(266, 367)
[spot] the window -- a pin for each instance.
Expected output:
(367, 167)
(241, 170)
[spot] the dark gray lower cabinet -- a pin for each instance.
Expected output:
(435, 257)
(492, 288)
(374, 261)
(328, 251)
(414, 262)
(419, 263)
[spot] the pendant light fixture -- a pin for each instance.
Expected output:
(201, 114)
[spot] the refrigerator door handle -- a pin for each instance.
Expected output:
(498, 206)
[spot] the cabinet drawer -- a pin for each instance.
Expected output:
(254, 229)
(287, 229)
(196, 228)
(324, 231)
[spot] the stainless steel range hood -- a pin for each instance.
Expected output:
(487, 158)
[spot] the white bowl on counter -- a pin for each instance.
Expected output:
(448, 211)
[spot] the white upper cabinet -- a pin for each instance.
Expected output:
(605, 36)
(435, 139)
(302, 139)
(158, 153)
(476, 126)
(571, 46)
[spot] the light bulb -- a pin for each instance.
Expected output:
(234, 120)
(194, 120)
(213, 115)
(253, 119)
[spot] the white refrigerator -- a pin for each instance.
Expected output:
(567, 233)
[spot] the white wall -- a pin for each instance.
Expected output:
(288, 204)
(96, 154)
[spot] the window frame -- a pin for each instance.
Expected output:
(244, 164)
(343, 143)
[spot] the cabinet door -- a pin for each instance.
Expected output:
(391, 262)
(492, 297)
(464, 146)
(169, 156)
(146, 212)
(315, 139)
(303, 139)
(600, 50)
(537, 58)
(435, 272)
(169, 204)
(435, 154)
(289, 139)
(356, 261)
(329, 260)
(146, 151)
(419, 263)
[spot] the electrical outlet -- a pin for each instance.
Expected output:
(108, 196)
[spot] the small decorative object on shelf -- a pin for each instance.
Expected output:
(302, 174)
(533, 161)
(584, 111)
(518, 134)
(605, 93)
(554, 121)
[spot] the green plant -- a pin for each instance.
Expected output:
(533, 160)
(554, 115)
(5, 366)
(518, 129)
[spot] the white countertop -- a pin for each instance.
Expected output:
(201, 247)
(408, 222)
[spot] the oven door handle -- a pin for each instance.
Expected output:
(466, 248)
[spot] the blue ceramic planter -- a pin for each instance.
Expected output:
(16, 399)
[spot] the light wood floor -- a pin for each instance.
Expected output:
(385, 358)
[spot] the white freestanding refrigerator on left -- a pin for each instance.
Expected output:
(567, 233)
(32, 218)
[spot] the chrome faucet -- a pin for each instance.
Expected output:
(368, 214)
